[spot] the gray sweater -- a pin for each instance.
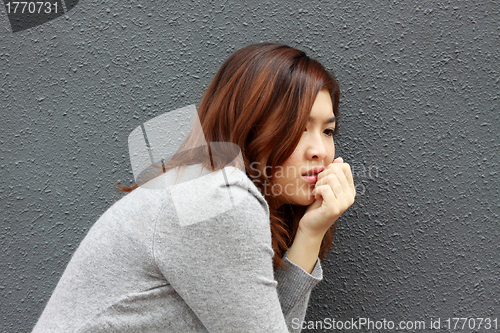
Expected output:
(191, 257)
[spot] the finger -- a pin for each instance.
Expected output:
(322, 176)
(331, 169)
(348, 175)
(338, 160)
(346, 168)
(329, 199)
(342, 179)
(334, 183)
(337, 180)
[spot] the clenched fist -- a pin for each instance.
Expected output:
(334, 193)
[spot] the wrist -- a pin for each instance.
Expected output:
(311, 235)
(305, 249)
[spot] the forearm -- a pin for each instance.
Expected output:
(294, 290)
(305, 249)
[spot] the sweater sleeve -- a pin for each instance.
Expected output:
(222, 266)
(294, 289)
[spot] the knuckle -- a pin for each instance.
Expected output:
(348, 169)
(333, 167)
(331, 177)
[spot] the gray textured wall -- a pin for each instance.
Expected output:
(420, 85)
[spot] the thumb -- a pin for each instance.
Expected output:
(338, 160)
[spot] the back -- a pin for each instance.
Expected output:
(194, 257)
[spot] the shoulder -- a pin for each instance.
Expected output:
(198, 195)
(212, 210)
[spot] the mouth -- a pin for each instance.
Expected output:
(311, 176)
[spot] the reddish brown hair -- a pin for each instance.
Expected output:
(260, 100)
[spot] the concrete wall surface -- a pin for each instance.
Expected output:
(420, 128)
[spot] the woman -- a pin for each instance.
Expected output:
(228, 245)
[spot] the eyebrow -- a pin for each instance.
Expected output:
(331, 120)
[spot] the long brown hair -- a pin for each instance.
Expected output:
(260, 100)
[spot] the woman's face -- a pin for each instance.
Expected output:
(315, 151)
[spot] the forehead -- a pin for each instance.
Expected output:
(322, 109)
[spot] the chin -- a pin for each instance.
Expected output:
(308, 202)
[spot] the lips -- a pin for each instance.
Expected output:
(311, 176)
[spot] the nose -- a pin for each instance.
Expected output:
(316, 149)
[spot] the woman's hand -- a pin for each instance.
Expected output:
(334, 193)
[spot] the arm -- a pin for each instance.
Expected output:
(334, 193)
(294, 289)
(302, 256)
(222, 267)
(305, 249)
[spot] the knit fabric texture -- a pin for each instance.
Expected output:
(184, 253)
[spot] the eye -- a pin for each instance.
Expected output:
(330, 132)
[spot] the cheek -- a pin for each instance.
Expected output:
(331, 151)
(293, 159)
(292, 164)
